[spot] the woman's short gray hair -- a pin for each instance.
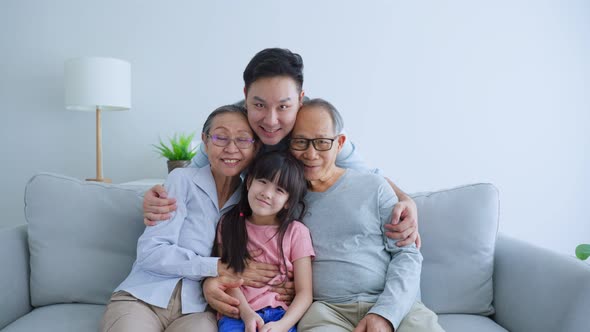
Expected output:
(222, 110)
(337, 121)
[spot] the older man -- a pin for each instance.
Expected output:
(361, 279)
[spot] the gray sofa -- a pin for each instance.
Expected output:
(79, 242)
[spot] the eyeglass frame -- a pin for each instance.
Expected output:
(214, 138)
(313, 142)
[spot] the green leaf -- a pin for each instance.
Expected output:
(583, 251)
(178, 149)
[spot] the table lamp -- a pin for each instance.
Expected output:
(97, 84)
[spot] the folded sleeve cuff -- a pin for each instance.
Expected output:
(208, 267)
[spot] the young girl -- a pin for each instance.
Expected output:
(264, 222)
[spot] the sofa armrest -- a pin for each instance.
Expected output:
(14, 274)
(536, 289)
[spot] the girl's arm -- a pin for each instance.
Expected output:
(252, 320)
(302, 300)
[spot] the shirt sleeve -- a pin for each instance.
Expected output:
(402, 281)
(200, 159)
(349, 157)
(301, 245)
(158, 251)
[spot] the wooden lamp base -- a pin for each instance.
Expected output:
(105, 180)
(99, 177)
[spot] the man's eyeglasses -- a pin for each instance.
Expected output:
(240, 142)
(320, 144)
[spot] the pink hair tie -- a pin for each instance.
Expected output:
(241, 214)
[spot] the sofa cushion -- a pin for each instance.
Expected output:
(82, 238)
(468, 323)
(14, 279)
(60, 317)
(458, 229)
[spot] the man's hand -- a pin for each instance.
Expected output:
(404, 223)
(286, 291)
(214, 292)
(373, 323)
(157, 206)
(258, 274)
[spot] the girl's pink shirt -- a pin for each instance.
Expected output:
(296, 244)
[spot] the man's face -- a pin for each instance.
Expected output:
(315, 122)
(272, 105)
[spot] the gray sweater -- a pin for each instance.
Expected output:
(355, 261)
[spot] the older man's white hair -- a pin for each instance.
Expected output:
(337, 121)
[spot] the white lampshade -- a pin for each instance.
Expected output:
(92, 82)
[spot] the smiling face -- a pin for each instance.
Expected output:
(230, 160)
(266, 199)
(319, 166)
(272, 104)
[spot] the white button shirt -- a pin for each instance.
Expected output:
(180, 248)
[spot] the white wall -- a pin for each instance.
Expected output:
(436, 93)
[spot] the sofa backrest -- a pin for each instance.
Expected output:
(458, 227)
(83, 237)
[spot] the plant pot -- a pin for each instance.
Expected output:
(172, 164)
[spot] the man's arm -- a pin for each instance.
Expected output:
(157, 204)
(200, 159)
(404, 221)
(402, 280)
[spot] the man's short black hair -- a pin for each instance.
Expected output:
(272, 62)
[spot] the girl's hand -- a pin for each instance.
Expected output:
(252, 321)
(274, 327)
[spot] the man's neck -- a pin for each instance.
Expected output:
(280, 146)
(327, 181)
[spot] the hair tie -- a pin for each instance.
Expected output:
(241, 214)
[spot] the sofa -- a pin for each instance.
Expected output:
(79, 242)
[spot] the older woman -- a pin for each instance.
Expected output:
(163, 291)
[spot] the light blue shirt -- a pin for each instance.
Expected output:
(180, 249)
(348, 157)
(355, 261)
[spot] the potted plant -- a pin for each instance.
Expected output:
(179, 153)
(583, 251)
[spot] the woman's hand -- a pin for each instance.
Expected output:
(214, 290)
(156, 205)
